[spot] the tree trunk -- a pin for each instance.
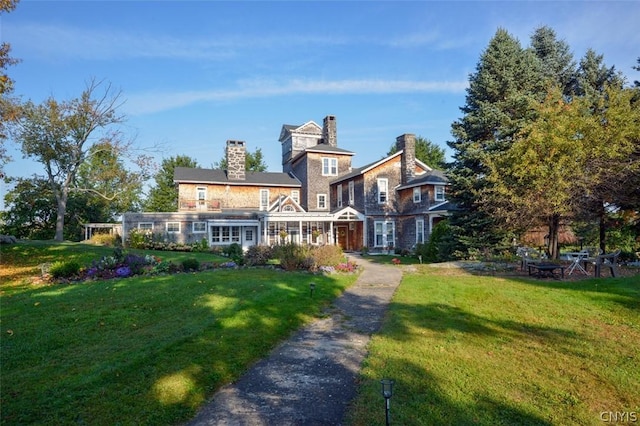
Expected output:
(602, 227)
(552, 244)
(61, 198)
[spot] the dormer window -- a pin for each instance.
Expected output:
(439, 193)
(329, 166)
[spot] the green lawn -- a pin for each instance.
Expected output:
(467, 349)
(143, 350)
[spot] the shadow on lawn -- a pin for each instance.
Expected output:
(145, 351)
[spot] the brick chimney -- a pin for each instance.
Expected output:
(407, 144)
(236, 153)
(329, 131)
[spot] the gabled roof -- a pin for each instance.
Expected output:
(285, 200)
(444, 206)
(309, 127)
(197, 175)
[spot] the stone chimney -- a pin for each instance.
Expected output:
(329, 131)
(407, 144)
(236, 152)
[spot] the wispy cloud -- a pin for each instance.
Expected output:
(107, 44)
(152, 102)
(58, 41)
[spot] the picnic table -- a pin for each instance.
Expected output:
(546, 270)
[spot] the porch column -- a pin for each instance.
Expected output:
(332, 240)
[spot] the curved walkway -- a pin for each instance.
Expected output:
(310, 379)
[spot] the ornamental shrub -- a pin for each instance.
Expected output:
(190, 264)
(64, 269)
(293, 256)
(327, 255)
(258, 255)
(234, 252)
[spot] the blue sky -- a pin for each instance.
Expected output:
(195, 74)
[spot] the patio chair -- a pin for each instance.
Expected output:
(608, 261)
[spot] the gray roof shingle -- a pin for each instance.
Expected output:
(197, 175)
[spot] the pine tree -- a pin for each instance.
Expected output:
(507, 78)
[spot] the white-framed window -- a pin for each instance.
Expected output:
(329, 166)
(295, 195)
(199, 227)
(439, 193)
(385, 233)
(264, 199)
(339, 189)
(417, 194)
(352, 193)
(419, 231)
(383, 190)
(145, 226)
(225, 234)
(173, 227)
(201, 193)
(248, 234)
(322, 201)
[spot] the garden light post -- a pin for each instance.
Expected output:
(387, 392)
(312, 286)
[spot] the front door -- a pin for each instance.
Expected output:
(342, 236)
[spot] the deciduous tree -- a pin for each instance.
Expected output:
(61, 135)
(427, 152)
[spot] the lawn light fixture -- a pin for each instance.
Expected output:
(387, 393)
(312, 287)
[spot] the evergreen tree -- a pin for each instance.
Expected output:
(506, 80)
(556, 60)
(163, 197)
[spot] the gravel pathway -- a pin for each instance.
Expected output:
(310, 379)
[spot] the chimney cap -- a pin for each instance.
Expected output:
(231, 142)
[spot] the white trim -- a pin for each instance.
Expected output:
(352, 192)
(170, 223)
(263, 206)
(193, 227)
(329, 160)
(324, 196)
(417, 190)
(386, 191)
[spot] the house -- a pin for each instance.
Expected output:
(318, 198)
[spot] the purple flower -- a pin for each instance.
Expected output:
(123, 271)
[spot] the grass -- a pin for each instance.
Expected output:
(142, 350)
(467, 349)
